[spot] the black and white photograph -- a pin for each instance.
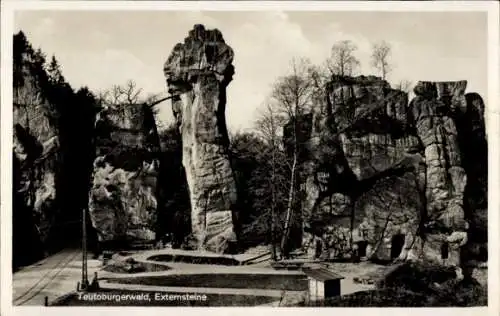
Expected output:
(262, 157)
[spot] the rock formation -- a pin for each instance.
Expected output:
(36, 156)
(197, 72)
(122, 199)
(52, 154)
(361, 150)
(387, 177)
(433, 109)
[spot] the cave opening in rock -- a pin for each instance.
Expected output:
(444, 251)
(362, 245)
(397, 244)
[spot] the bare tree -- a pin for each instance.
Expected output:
(342, 60)
(122, 94)
(268, 125)
(292, 97)
(381, 52)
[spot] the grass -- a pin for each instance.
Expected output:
(211, 300)
(222, 280)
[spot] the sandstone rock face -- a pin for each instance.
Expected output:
(197, 72)
(433, 110)
(436, 129)
(360, 142)
(36, 154)
(372, 154)
(122, 200)
(391, 179)
(389, 210)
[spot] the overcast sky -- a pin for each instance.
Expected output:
(99, 49)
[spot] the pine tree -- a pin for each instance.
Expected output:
(54, 72)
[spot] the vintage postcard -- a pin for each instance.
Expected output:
(259, 154)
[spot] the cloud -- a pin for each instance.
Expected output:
(264, 45)
(99, 49)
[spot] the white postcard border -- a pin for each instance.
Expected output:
(492, 122)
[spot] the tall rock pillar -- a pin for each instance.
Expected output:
(434, 108)
(198, 72)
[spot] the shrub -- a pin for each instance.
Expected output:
(190, 243)
(390, 297)
(438, 284)
(451, 293)
(464, 293)
(416, 277)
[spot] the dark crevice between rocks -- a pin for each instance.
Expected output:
(173, 215)
(474, 155)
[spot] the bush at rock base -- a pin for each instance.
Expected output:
(416, 285)
(416, 277)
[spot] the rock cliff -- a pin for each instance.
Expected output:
(197, 72)
(123, 196)
(388, 177)
(36, 156)
(52, 154)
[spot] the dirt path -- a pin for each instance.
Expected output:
(52, 277)
(58, 275)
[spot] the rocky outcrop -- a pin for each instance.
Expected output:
(433, 110)
(360, 146)
(52, 156)
(36, 157)
(389, 178)
(197, 72)
(122, 199)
